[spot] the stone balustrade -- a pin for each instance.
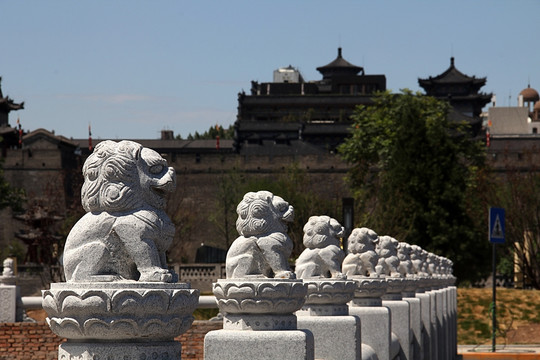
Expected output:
(384, 300)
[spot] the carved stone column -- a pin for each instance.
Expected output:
(374, 318)
(261, 293)
(400, 312)
(326, 314)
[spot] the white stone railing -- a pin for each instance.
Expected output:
(430, 317)
(200, 276)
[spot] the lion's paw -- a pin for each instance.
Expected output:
(156, 275)
(285, 275)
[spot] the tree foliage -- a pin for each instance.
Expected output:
(415, 176)
(519, 194)
(212, 133)
(293, 184)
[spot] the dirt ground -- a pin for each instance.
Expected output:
(524, 334)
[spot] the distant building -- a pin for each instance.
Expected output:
(513, 134)
(280, 123)
(462, 92)
(293, 115)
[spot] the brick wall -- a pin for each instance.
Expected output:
(30, 341)
(25, 341)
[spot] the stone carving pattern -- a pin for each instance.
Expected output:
(125, 232)
(330, 292)
(7, 304)
(120, 314)
(263, 247)
(264, 297)
(323, 256)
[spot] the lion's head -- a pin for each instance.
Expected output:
(362, 240)
(262, 213)
(123, 176)
(387, 247)
(322, 231)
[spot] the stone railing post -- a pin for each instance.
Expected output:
(325, 312)
(260, 295)
(374, 318)
(9, 293)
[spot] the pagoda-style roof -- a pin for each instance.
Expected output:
(339, 66)
(7, 104)
(452, 76)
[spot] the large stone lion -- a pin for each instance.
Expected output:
(125, 233)
(323, 255)
(263, 247)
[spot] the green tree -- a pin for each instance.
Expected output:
(292, 184)
(212, 133)
(415, 177)
(518, 193)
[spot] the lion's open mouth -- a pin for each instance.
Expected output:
(158, 191)
(162, 189)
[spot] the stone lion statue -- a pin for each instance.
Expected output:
(125, 232)
(323, 255)
(405, 262)
(418, 258)
(387, 249)
(263, 247)
(362, 258)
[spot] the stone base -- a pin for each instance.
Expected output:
(120, 351)
(260, 345)
(416, 326)
(401, 325)
(336, 337)
(376, 332)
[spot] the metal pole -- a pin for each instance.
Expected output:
(494, 304)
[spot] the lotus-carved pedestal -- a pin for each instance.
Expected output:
(141, 319)
(395, 288)
(327, 297)
(369, 291)
(326, 313)
(259, 320)
(266, 304)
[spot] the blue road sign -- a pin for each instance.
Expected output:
(496, 225)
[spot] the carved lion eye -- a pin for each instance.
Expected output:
(156, 169)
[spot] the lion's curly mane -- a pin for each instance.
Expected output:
(110, 182)
(253, 213)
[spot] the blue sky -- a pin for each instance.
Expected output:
(131, 68)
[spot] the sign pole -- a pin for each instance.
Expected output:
(494, 306)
